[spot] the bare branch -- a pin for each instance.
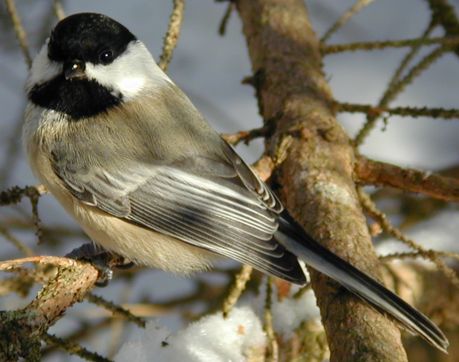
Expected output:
(428, 254)
(79, 278)
(22, 330)
(225, 18)
(19, 30)
(381, 45)
(394, 87)
(58, 9)
(374, 111)
(115, 309)
(16, 193)
(443, 13)
(343, 19)
(417, 254)
(315, 161)
(16, 242)
(14, 196)
(398, 87)
(245, 136)
(273, 347)
(238, 287)
(74, 348)
(173, 33)
(372, 172)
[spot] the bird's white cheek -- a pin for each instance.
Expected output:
(131, 86)
(42, 69)
(118, 78)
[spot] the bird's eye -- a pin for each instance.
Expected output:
(106, 56)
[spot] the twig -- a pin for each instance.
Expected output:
(20, 283)
(345, 17)
(372, 172)
(19, 30)
(117, 326)
(73, 348)
(375, 111)
(16, 242)
(443, 13)
(173, 33)
(417, 254)
(391, 92)
(428, 254)
(273, 347)
(115, 309)
(34, 197)
(245, 136)
(397, 88)
(416, 71)
(236, 290)
(16, 193)
(58, 9)
(407, 59)
(380, 45)
(84, 331)
(225, 19)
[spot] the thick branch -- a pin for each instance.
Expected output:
(316, 175)
(20, 331)
(408, 179)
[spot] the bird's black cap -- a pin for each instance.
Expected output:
(84, 36)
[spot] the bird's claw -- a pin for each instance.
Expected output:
(101, 259)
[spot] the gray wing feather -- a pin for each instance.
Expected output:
(214, 213)
(252, 181)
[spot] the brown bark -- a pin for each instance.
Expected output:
(316, 172)
(384, 174)
(22, 330)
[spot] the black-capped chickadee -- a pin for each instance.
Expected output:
(132, 160)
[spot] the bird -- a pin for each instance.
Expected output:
(130, 158)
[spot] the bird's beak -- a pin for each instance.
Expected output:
(74, 70)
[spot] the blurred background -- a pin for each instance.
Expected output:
(209, 68)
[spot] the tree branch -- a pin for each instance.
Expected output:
(345, 17)
(21, 331)
(384, 174)
(173, 33)
(443, 13)
(19, 30)
(316, 175)
(381, 45)
(374, 111)
(245, 136)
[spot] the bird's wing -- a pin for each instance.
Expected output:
(218, 205)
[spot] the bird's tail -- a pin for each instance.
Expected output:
(296, 240)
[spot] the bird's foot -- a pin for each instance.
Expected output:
(103, 260)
